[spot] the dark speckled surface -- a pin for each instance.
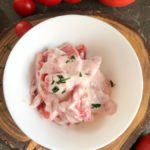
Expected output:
(136, 16)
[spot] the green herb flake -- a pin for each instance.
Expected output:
(72, 57)
(111, 83)
(62, 80)
(95, 106)
(68, 61)
(80, 74)
(60, 76)
(55, 89)
(63, 91)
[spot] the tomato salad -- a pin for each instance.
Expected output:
(69, 88)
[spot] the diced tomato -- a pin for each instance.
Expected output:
(46, 114)
(69, 49)
(41, 109)
(43, 76)
(45, 87)
(82, 51)
(41, 106)
(44, 58)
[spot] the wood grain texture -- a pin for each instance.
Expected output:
(16, 139)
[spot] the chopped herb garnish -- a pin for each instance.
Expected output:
(60, 76)
(68, 61)
(96, 105)
(55, 89)
(80, 74)
(53, 82)
(63, 91)
(72, 57)
(62, 80)
(8, 47)
(112, 83)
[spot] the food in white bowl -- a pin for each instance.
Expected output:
(120, 64)
(69, 88)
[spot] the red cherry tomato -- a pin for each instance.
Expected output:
(22, 27)
(144, 143)
(72, 1)
(24, 7)
(49, 2)
(117, 3)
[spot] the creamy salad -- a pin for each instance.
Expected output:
(69, 88)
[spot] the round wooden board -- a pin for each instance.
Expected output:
(11, 134)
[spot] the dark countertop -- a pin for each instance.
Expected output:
(136, 16)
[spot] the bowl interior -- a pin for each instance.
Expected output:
(120, 64)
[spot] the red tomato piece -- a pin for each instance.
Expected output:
(143, 143)
(43, 76)
(41, 109)
(41, 106)
(82, 51)
(49, 2)
(117, 3)
(24, 7)
(72, 1)
(45, 114)
(22, 27)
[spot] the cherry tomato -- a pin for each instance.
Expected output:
(49, 2)
(24, 7)
(143, 143)
(22, 27)
(117, 3)
(72, 1)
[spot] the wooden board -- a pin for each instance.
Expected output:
(11, 134)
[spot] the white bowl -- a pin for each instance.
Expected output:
(120, 64)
